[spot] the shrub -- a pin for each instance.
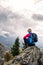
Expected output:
(8, 56)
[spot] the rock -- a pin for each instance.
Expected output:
(30, 56)
(2, 51)
(41, 59)
(1, 61)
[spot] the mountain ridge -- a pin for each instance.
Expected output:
(30, 56)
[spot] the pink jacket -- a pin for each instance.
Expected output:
(26, 36)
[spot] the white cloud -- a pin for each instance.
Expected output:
(15, 23)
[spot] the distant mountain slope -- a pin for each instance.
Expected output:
(7, 41)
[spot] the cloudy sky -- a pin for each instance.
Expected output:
(16, 16)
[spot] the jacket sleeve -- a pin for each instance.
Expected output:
(26, 36)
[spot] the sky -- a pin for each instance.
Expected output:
(16, 16)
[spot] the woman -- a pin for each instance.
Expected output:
(28, 39)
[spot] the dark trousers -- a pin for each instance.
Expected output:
(27, 43)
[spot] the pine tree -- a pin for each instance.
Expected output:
(15, 48)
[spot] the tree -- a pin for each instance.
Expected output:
(15, 48)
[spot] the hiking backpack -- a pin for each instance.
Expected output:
(31, 39)
(34, 36)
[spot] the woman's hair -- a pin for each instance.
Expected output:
(29, 30)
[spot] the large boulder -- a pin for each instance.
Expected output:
(30, 56)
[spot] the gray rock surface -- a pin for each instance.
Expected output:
(1, 61)
(2, 51)
(30, 56)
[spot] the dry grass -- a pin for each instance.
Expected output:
(18, 64)
(5, 63)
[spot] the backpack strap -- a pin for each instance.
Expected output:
(31, 38)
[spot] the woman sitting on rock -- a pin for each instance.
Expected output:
(30, 38)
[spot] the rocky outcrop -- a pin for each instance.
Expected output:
(1, 61)
(2, 51)
(30, 56)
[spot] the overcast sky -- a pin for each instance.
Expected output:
(16, 16)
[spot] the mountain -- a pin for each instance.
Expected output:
(30, 56)
(7, 41)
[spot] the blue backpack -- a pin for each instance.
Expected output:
(30, 39)
(33, 38)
